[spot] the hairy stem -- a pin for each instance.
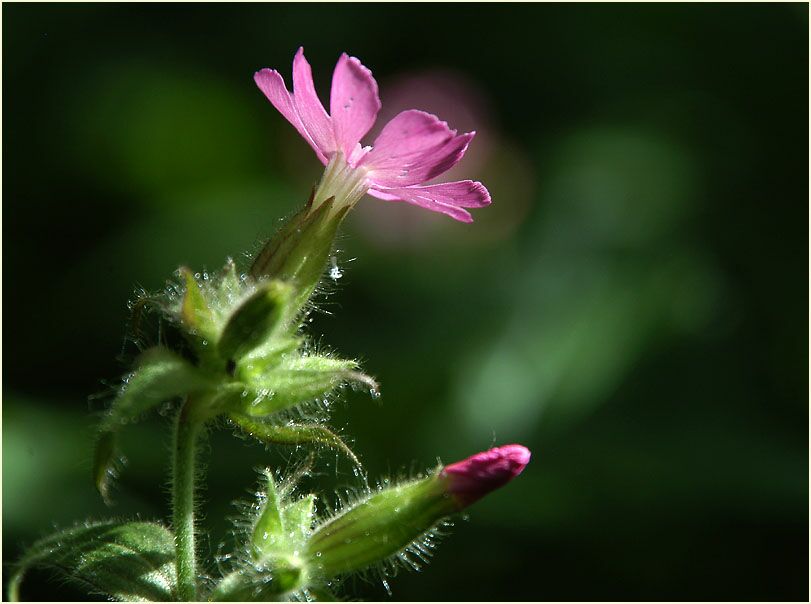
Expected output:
(187, 431)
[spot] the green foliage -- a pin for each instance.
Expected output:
(242, 330)
(160, 375)
(243, 359)
(123, 561)
(248, 364)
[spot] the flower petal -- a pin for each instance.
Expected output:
(447, 197)
(309, 107)
(471, 479)
(413, 148)
(271, 83)
(354, 102)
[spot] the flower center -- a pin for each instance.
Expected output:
(341, 181)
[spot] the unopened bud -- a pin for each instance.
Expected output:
(390, 520)
(253, 322)
(471, 479)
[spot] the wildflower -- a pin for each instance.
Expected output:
(411, 150)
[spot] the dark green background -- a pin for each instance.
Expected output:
(633, 306)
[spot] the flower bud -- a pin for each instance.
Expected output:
(255, 320)
(390, 520)
(278, 535)
(471, 479)
(269, 530)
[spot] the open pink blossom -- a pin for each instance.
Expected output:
(472, 478)
(411, 150)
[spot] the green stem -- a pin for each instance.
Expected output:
(187, 430)
(14, 586)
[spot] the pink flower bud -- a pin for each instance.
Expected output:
(386, 522)
(471, 479)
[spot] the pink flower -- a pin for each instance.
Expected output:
(472, 478)
(412, 149)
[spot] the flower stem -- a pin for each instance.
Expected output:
(187, 431)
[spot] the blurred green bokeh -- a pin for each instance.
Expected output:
(633, 306)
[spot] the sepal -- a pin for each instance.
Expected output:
(195, 313)
(105, 464)
(298, 517)
(293, 434)
(275, 567)
(282, 526)
(254, 321)
(230, 286)
(378, 526)
(268, 533)
(295, 380)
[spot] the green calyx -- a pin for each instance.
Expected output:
(282, 526)
(276, 541)
(300, 250)
(254, 322)
(379, 526)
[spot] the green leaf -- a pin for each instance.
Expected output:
(161, 375)
(255, 320)
(293, 434)
(123, 561)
